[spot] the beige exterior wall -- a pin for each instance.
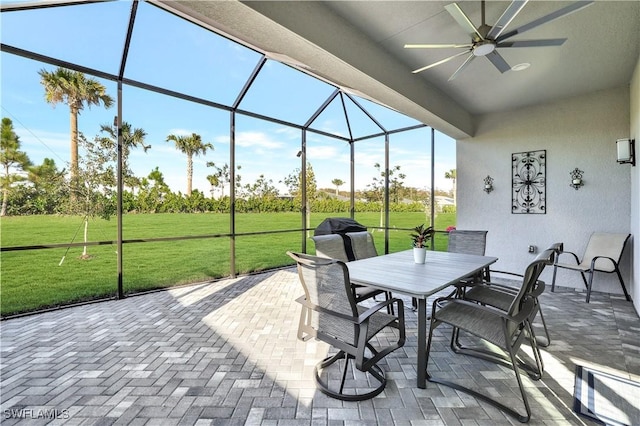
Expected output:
(578, 132)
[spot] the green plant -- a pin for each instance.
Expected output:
(421, 235)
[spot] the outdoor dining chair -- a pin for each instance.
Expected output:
(468, 242)
(330, 314)
(506, 329)
(501, 296)
(602, 254)
(333, 246)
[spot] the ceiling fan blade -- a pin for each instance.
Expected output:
(437, 46)
(533, 43)
(514, 8)
(462, 20)
(439, 62)
(573, 7)
(461, 67)
(498, 62)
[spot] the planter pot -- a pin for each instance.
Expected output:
(419, 254)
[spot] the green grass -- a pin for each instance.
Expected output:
(35, 279)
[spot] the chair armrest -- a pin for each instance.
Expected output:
(575, 256)
(522, 315)
(304, 302)
(377, 307)
(356, 320)
(494, 271)
(593, 261)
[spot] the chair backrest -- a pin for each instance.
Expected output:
(607, 245)
(362, 244)
(326, 285)
(557, 248)
(467, 242)
(330, 246)
(530, 277)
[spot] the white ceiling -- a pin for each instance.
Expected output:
(359, 45)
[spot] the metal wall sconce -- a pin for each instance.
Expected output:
(626, 151)
(488, 184)
(576, 178)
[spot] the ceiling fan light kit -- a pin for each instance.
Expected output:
(483, 48)
(485, 39)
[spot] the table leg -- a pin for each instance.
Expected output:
(422, 343)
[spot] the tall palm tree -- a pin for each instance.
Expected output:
(190, 145)
(451, 174)
(130, 139)
(75, 90)
(338, 183)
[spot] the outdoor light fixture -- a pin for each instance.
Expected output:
(488, 184)
(626, 151)
(576, 178)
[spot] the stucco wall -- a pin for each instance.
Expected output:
(578, 132)
(635, 183)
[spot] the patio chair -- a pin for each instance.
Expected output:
(469, 242)
(602, 254)
(362, 244)
(330, 314)
(466, 242)
(333, 246)
(505, 329)
(501, 296)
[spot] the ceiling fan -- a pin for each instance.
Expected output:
(486, 39)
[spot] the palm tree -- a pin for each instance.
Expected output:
(75, 90)
(190, 145)
(10, 157)
(451, 174)
(338, 183)
(129, 140)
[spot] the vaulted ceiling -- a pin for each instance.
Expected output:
(359, 45)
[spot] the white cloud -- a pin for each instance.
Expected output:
(181, 132)
(257, 139)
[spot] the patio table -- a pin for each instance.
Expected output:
(397, 273)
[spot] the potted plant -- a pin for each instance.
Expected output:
(420, 238)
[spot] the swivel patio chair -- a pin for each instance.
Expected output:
(501, 296)
(505, 329)
(361, 246)
(330, 314)
(602, 254)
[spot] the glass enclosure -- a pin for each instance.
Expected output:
(197, 157)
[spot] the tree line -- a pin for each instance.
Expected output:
(88, 186)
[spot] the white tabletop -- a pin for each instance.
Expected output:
(397, 272)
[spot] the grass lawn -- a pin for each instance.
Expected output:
(34, 279)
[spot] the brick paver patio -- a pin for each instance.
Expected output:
(226, 353)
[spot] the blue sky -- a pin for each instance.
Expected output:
(196, 62)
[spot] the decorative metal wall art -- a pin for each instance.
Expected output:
(529, 189)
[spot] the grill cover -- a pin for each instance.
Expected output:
(340, 225)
